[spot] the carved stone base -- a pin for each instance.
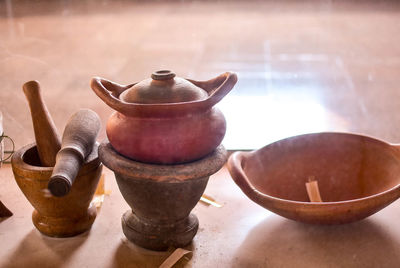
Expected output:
(161, 197)
(159, 236)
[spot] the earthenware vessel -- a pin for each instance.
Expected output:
(165, 119)
(357, 176)
(57, 216)
(161, 197)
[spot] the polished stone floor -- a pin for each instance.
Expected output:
(303, 66)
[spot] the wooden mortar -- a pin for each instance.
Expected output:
(57, 216)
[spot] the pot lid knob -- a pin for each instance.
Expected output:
(163, 87)
(163, 75)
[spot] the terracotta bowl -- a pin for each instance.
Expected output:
(357, 176)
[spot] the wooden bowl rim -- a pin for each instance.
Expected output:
(260, 195)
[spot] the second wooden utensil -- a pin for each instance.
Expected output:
(77, 142)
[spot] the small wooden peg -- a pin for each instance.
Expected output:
(174, 257)
(313, 190)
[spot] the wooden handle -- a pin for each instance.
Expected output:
(218, 87)
(78, 140)
(47, 139)
(237, 173)
(109, 92)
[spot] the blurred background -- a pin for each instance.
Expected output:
(303, 66)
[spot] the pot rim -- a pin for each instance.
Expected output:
(259, 196)
(200, 168)
(92, 161)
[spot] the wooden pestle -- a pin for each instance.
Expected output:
(78, 140)
(47, 139)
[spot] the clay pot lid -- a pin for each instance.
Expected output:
(163, 87)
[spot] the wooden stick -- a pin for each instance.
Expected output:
(313, 190)
(209, 201)
(174, 257)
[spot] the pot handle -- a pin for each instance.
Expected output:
(235, 167)
(217, 87)
(109, 92)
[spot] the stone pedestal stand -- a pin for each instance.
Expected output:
(161, 196)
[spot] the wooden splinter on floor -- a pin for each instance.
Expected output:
(313, 190)
(4, 211)
(174, 257)
(208, 200)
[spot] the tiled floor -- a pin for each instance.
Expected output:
(303, 66)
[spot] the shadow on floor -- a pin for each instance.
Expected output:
(282, 242)
(42, 251)
(131, 256)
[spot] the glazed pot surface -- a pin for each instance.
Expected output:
(357, 176)
(166, 140)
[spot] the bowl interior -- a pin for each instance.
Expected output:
(346, 166)
(31, 157)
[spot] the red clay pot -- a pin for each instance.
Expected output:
(165, 119)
